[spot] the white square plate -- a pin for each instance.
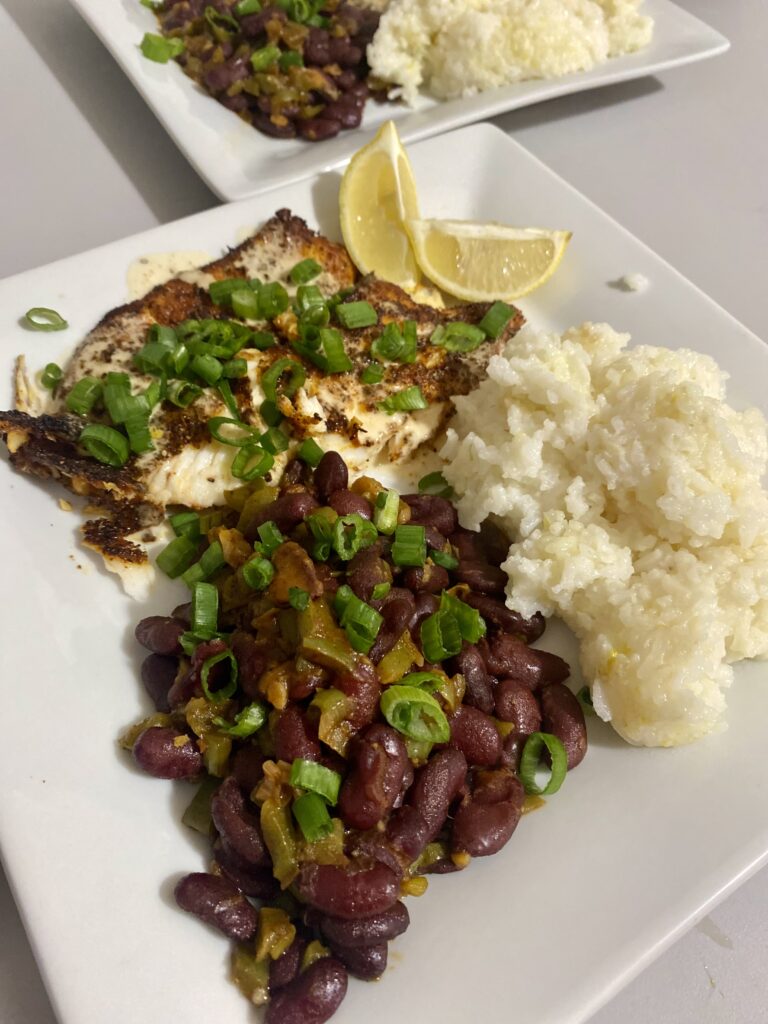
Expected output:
(236, 161)
(636, 846)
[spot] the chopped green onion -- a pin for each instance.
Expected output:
(440, 637)
(226, 691)
(218, 19)
(51, 376)
(183, 393)
(225, 390)
(273, 298)
(321, 528)
(207, 367)
(160, 49)
(247, 722)
(177, 557)
(211, 560)
(137, 428)
(247, 7)
(410, 545)
(316, 778)
(105, 444)
(84, 396)
(395, 344)
(372, 374)
(40, 318)
(404, 401)
(323, 346)
(186, 524)
(271, 537)
(380, 591)
(153, 5)
(496, 319)
(311, 812)
(443, 559)
(311, 306)
(258, 573)
(429, 680)
(359, 620)
(275, 441)
(300, 10)
(584, 697)
(298, 598)
(270, 379)
(291, 59)
(163, 334)
(529, 763)
(205, 610)
(385, 511)
(305, 270)
(415, 713)
(309, 451)
(435, 483)
(265, 58)
(245, 303)
(251, 462)
(353, 315)
(117, 397)
(234, 368)
(270, 414)
(351, 534)
(458, 337)
(471, 623)
(222, 291)
(154, 393)
(261, 340)
(232, 432)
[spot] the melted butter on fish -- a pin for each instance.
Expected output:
(156, 268)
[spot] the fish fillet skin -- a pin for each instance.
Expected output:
(187, 466)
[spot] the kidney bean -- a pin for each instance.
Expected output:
(239, 104)
(486, 818)
(434, 538)
(311, 998)
(294, 736)
(183, 612)
(304, 680)
(251, 659)
(238, 824)
(349, 113)
(512, 751)
(220, 77)
(185, 686)
(437, 784)
(330, 582)
(343, 892)
(366, 570)
(247, 764)
(516, 703)
(561, 715)
(403, 840)
(364, 689)
(159, 751)
(429, 510)
(480, 576)
(509, 621)
(358, 89)
(344, 52)
(345, 503)
(431, 579)
(475, 735)
(283, 970)
(426, 605)
(507, 655)
(217, 901)
(369, 791)
(365, 962)
(287, 511)
(405, 785)
(157, 674)
(317, 49)
(258, 882)
(346, 80)
(479, 693)
(408, 831)
(331, 473)
(254, 25)
(317, 129)
(365, 931)
(160, 634)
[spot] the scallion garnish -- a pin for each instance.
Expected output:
(258, 573)
(305, 270)
(186, 524)
(117, 397)
(226, 691)
(251, 462)
(51, 376)
(529, 763)
(211, 560)
(435, 483)
(219, 19)
(262, 340)
(137, 427)
(270, 414)
(385, 511)
(233, 432)
(470, 622)
(105, 444)
(458, 337)
(320, 525)
(353, 315)
(410, 545)
(440, 636)
(443, 559)
(309, 451)
(359, 620)
(270, 537)
(245, 303)
(291, 59)
(316, 778)
(205, 610)
(247, 7)
(40, 318)
(298, 598)
(496, 319)
(271, 378)
(235, 368)
(84, 395)
(311, 306)
(311, 813)
(273, 298)
(404, 401)
(160, 49)
(247, 722)
(275, 441)
(221, 291)
(351, 534)
(372, 374)
(263, 59)
(380, 591)
(178, 556)
(396, 344)
(415, 713)
(207, 367)
(182, 393)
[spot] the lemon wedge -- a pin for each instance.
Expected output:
(484, 262)
(377, 196)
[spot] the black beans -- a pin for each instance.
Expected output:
(509, 621)
(215, 900)
(160, 634)
(516, 703)
(331, 473)
(429, 510)
(220, 77)
(561, 715)
(294, 736)
(158, 673)
(437, 784)
(369, 792)
(479, 693)
(365, 962)
(486, 818)
(366, 931)
(317, 50)
(346, 111)
(343, 892)
(366, 570)
(475, 735)
(236, 822)
(312, 997)
(345, 503)
(167, 754)
(316, 129)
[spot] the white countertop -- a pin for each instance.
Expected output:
(680, 160)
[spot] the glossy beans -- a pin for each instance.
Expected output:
(364, 962)
(283, 970)
(428, 510)
(480, 576)
(425, 605)
(561, 715)
(437, 784)
(312, 997)
(246, 767)
(238, 824)
(287, 511)
(364, 689)
(479, 692)
(343, 892)
(366, 570)
(475, 735)
(345, 503)
(160, 634)
(258, 882)
(516, 703)
(157, 674)
(369, 791)
(508, 656)
(215, 900)
(366, 931)
(167, 754)
(512, 750)
(294, 736)
(251, 662)
(509, 621)
(431, 579)
(487, 817)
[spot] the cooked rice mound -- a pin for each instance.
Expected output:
(634, 493)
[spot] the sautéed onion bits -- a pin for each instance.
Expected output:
(359, 709)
